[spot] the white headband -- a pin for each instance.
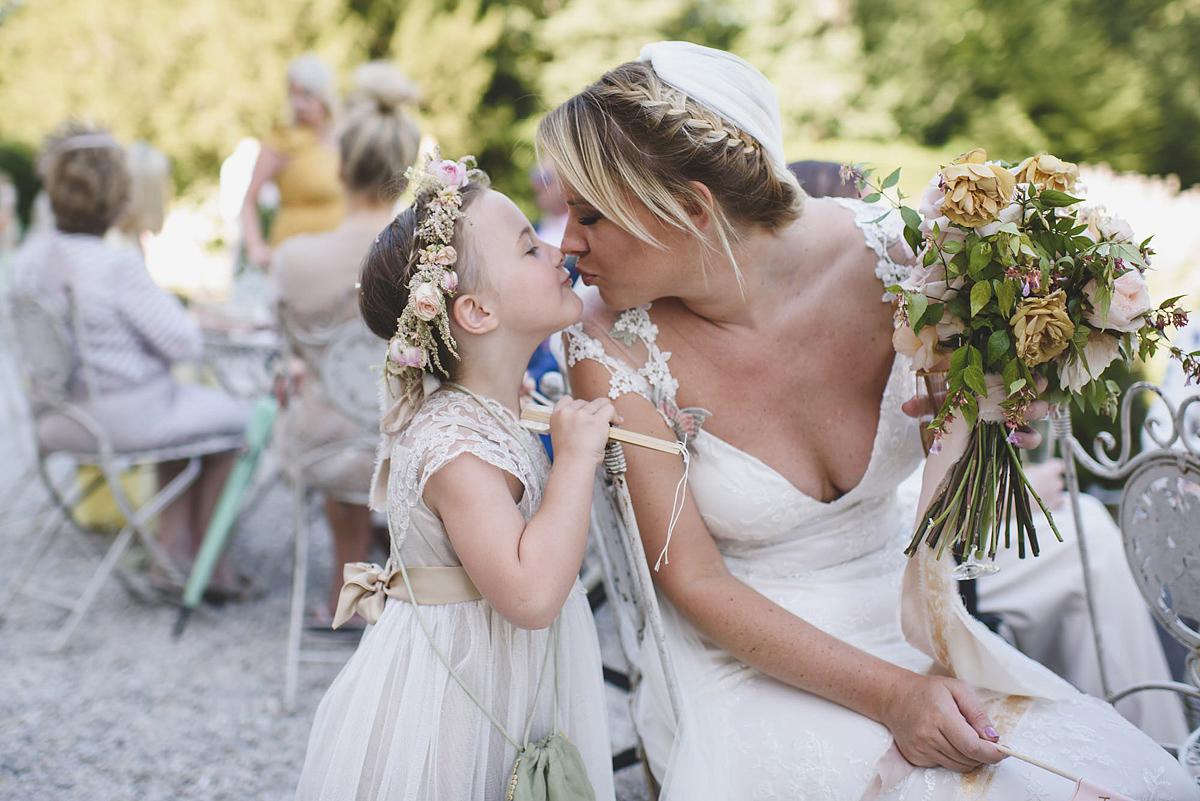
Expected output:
(727, 85)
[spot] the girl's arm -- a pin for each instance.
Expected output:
(266, 167)
(525, 570)
(935, 721)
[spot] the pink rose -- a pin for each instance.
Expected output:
(1130, 300)
(403, 355)
(450, 281)
(922, 348)
(442, 255)
(426, 301)
(931, 282)
(451, 173)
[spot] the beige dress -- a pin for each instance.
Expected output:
(315, 276)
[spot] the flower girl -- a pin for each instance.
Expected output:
(499, 649)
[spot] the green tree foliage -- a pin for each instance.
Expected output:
(193, 78)
(1091, 80)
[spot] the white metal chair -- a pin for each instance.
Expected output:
(58, 382)
(1159, 520)
(628, 585)
(342, 356)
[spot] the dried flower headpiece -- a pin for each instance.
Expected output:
(414, 348)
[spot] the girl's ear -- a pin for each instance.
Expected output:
(474, 314)
(699, 211)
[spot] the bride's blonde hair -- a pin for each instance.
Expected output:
(631, 138)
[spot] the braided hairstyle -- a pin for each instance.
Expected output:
(630, 137)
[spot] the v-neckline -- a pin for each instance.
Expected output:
(703, 433)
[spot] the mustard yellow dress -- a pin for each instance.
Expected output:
(310, 193)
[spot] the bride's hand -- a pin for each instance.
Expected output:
(1027, 438)
(938, 722)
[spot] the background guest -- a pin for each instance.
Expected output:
(315, 277)
(127, 332)
(301, 160)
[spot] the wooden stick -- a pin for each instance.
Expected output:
(1004, 749)
(541, 414)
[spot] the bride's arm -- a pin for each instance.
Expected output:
(935, 721)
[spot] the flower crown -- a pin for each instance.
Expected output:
(413, 349)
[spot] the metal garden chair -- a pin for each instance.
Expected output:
(58, 382)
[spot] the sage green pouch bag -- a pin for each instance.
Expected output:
(550, 770)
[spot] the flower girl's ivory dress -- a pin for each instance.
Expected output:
(394, 724)
(840, 566)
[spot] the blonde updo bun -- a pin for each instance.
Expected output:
(379, 140)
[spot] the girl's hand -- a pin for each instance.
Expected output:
(579, 429)
(258, 255)
(938, 722)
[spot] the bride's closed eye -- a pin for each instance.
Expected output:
(589, 219)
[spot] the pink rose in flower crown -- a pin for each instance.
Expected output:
(403, 355)
(451, 173)
(442, 255)
(450, 281)
(1130, 300)
(427, 301)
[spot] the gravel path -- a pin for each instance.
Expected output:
(129, 712)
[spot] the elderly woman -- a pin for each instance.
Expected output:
(315, 277)
(815, 661)
(302, 161)
(128, 333)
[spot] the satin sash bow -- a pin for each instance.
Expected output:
(366, 588)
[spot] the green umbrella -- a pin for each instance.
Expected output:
(258, 434)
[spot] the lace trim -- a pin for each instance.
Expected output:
(880, 234)
(653, 380)
(447, 425)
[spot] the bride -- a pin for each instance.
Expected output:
(816, 661)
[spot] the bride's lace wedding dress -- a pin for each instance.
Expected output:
(840, 566)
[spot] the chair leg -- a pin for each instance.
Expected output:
(137, 519)
(90, 592)
(299, 590)
(41, 543)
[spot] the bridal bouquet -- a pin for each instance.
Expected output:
(1020, 291)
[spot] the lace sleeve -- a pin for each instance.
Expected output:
(882, 228)
(630, 354)
(447, 426)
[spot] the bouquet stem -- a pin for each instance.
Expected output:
(986, 489)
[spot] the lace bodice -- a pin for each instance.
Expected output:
(446, 425)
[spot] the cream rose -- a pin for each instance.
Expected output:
(442, 255)
(922, 348)
(1048, 172)
(427, 301)
(1099, 352)
(976, 191)
(1009, 214)
(1104, 227)
(1130, 300)
(931, 282)
(1042, 328)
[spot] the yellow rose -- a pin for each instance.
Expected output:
(975, 191)
(1042, 327)
(1048, 172)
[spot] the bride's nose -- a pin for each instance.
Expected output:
(573, 241)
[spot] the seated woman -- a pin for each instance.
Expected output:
(815, 660)
(315, 276)
(128, 332)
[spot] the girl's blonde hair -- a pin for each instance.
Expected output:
(631, 139)
(150, 189)
(379, 139)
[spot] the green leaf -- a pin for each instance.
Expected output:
(974, 357)
(973, 376)
(951, 246)
(997, 346)
(981, 293)
(917, 303)
(958, 359)
(911, 218)
(1006, 295)
(872, 198)
(980, 255)
(932, 315)
(1052, 197)
(891, 180)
